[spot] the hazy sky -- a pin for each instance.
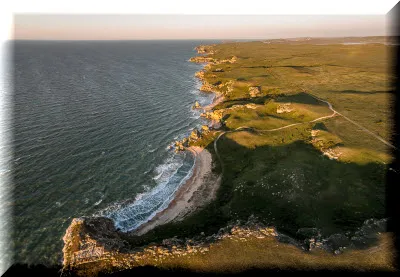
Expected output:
(108, 27)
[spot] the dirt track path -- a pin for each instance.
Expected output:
(295, 124)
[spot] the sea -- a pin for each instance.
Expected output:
(92, 128)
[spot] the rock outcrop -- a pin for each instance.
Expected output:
(97, 243)
(88, 239)
(251, 106)
(218, 70)
(194, 135)
(204, 49)
(201, 59)
(205, 129)
(284, 108)
(217, 115)
(181, 145)
(255, 91)
(333, 152)
(214, 115)
(200, 75)
(196, 105)
(212, 61)
(233, 59)
(207, 87)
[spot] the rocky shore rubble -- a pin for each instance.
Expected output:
(195, 135)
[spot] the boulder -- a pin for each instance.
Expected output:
(205, 129)
(196, 105)
(195, 135)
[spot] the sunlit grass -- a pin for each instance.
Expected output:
(230, 256)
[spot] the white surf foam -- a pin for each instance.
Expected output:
(146, 205)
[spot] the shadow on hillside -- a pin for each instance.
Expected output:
(299, 98)
(292, 187)
(302, 69)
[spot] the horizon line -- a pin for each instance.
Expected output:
(172, 39)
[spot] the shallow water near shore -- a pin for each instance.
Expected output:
(91, 128)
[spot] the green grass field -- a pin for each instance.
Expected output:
(356, 79)
(283, 176)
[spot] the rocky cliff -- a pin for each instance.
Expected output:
(93, 245)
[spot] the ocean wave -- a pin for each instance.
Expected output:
(147, 171)
(171, 175)
(98, 202)
(165, 170)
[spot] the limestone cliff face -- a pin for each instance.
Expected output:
(90, 239)
(92, 245)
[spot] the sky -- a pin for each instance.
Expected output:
(134, 27)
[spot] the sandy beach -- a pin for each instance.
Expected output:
(198, 190)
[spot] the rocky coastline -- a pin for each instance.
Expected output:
(89, 240)
(218, 88)
(93, 245)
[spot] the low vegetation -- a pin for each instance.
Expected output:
(324, 175)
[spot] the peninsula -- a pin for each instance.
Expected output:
(289, 171)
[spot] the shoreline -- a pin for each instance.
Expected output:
(188, 197)
(185, 201)
(193, 194)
